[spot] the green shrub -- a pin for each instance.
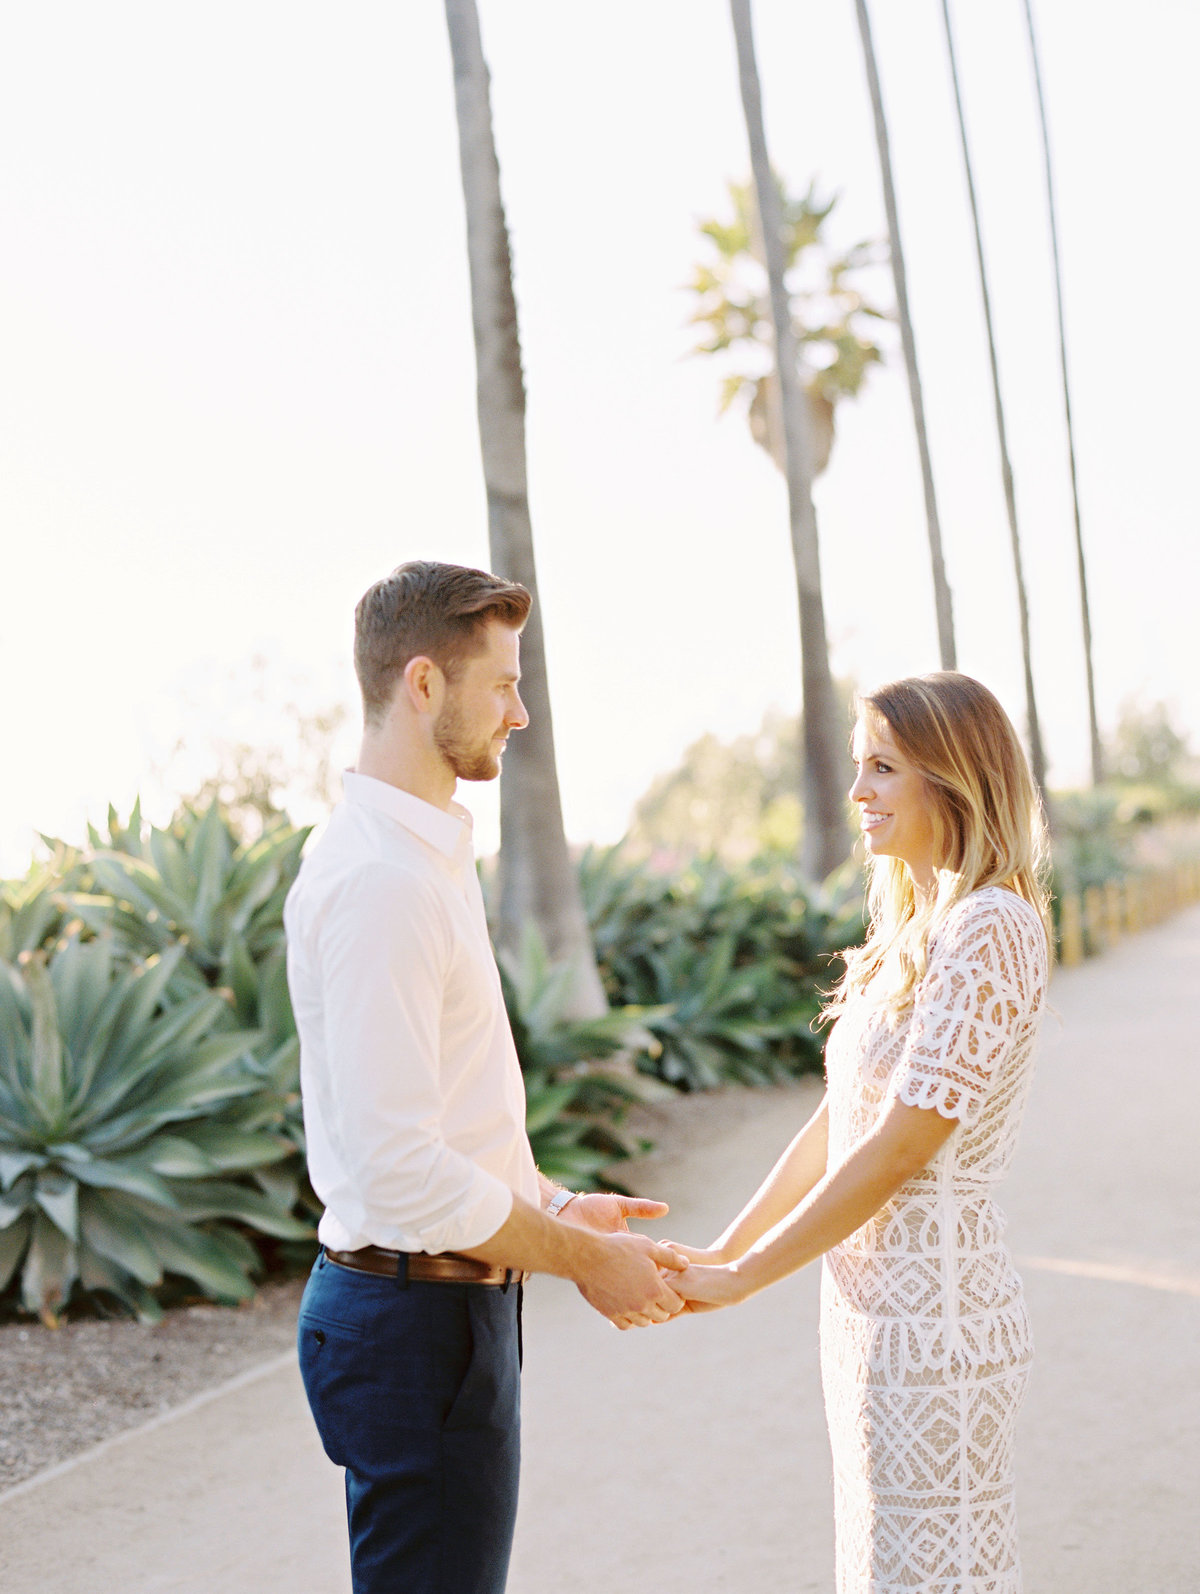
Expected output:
(131, 1125)
(33, 910)
(578, 1082)
(1091, 842)
(150, 1120)
(195, 883)
(198, 885)
(730, 961)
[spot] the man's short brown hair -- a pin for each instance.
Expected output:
(432, 610)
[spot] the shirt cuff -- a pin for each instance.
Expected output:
(484, 1210)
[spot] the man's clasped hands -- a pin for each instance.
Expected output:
(640, 1281)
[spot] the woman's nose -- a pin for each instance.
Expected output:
(859, 789)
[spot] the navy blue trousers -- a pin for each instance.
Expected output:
(415, 1389)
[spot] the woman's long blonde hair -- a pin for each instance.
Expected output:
(988, 824)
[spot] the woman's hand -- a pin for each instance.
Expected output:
(707, 1256)
(706, 1288)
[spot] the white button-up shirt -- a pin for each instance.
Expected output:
(414, 1105)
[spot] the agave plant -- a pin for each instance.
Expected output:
(729, 1020)
(128, 1124)
(198, 884)
(34, 909)
(578, 1081)
(734, 961)
(122, 836)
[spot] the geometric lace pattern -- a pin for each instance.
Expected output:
(925, 1342)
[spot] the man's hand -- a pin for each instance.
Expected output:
(610, 1214)
(628, 1286)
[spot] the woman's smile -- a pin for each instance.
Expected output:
(895, 815)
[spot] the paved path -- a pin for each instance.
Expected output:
(693, 1458)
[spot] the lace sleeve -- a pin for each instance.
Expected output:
(986, 971)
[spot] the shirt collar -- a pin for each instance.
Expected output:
(449, 830)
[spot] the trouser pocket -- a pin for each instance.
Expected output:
(328, 1354)
(489, 1390)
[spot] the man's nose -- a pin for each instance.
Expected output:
(518, 716)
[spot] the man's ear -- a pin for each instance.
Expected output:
(424, 684)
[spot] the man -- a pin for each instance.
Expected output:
(414, 1111)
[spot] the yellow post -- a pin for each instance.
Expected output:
(1071, 931)
(1112, 911)
(1133, 904)
(1093, 919)
(1163, 893)
(1170, 892)
(1145, 901)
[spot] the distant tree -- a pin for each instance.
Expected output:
(730, 798)
(733, 798)
(824, 796)
(537, 879)
(254, 742)
(254, 782)
(941, 587)
(1149, 746)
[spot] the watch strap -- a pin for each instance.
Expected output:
(559, 1200)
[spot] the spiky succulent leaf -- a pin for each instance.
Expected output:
(129, 1126)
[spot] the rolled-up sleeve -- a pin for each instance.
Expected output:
(383, 950)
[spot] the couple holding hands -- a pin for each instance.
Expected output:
(414, 1109)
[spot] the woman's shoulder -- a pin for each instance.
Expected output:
(996, 899)
(993, 912)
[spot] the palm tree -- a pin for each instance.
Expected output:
(1037, 757)
(824, 803)
(1093, 724)
(827, 309)
(941, 587)
(537, 878)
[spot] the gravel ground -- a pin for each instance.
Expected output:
(64, 1389)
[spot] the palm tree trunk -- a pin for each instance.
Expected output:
(941, 587)
(537, 878)
(825, 843)
(1093, 723)
(1037, 757)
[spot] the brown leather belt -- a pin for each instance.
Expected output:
(445, 1268)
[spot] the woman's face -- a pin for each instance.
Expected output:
(893, 803)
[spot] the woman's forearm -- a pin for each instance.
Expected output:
(801, 1167)
(904, 1141)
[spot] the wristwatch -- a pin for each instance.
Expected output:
(559, 1200)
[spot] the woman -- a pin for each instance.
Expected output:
(925, 1344)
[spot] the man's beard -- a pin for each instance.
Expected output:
(469, 760)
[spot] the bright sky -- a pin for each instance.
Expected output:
(237, 379)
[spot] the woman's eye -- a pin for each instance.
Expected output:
(882, 769)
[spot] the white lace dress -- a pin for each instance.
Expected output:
(925, 1345)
